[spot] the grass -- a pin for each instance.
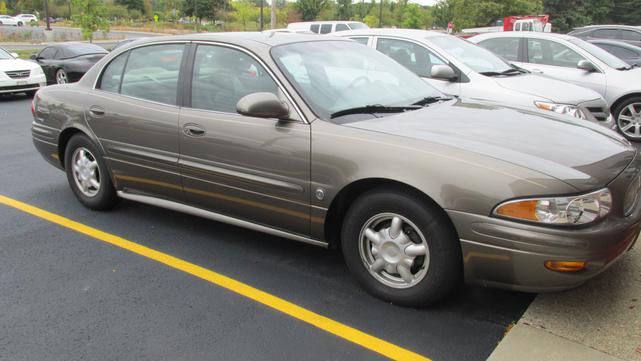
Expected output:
(26, 53)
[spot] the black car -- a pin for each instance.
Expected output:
(627, 34)
(68, 62)
(629, 53)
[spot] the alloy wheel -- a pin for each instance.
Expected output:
(61, 77)
(394, 250)
(86, 172)
(629, 120)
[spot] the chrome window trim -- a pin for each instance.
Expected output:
(203, 42)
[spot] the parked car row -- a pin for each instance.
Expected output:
(18, 75)
(323, 141)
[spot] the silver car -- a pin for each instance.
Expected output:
(571, 59)
(457, 67)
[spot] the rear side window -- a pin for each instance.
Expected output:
(110, 80)
(326, 28)
(361, 40)
(48, 53)
(223, 75)
(630, 35)
(605, 33)
(341, 27)
(507, 48)
(314, 28)
(152, 73)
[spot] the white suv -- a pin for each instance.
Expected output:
(10, 20)
(27, 18)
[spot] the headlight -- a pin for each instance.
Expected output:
(562, 109)
(572, 210)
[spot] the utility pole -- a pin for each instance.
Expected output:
(273, 14)
(47, 14)
(196, 15)
(262, 21)
(380, 15)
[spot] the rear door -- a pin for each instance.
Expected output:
(558, 61)
(134, 112)
(254, 169)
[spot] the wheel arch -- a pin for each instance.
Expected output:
(621, 100)
(63, 140)
(351, 192)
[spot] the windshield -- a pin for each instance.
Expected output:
(609, 59)
(355, 26)
(333, 76)
(477, 58)
(4, 55)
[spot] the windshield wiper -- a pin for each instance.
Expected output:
(369, 109)
(512, 71)
(430, 100)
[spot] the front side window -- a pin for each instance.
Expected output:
(222, 76)
(548, 52)
(412, 56)
(338, 76)
(622, 52)
(152, 73)
(314, 28)
(341, 27)
(507, 48)
(326, 28)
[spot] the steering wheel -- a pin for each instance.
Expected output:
(357, 82)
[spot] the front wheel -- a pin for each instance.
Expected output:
(401, 249)
(88, 175)
(19, 23)
(628, 117)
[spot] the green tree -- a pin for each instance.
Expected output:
(310, 9)
(132, 4)
(245, 11)
(90, 16)
(343, 9)
(3, 7)
(202, 9)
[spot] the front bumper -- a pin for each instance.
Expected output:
(507, 254)
(22, 85)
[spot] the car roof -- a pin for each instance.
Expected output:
(266, 39)
(408, 33)
(522, 34)
(608, 26)
(326, 22)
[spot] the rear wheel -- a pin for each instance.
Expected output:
(628, 115)
(87, 174)
(401, 249)
(20, 23)
(61, 77)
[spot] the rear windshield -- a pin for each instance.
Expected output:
(73, 50)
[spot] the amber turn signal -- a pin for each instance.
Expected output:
(521, 210)
(565, 266)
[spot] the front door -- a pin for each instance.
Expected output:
(255, 169)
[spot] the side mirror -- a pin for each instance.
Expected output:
(443, 72)
(33, 57)
(15, 55)
(262, 105)
(586, 65)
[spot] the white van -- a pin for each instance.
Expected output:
(326, 27)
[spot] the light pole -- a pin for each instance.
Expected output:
(47, 14)
(273, 14)
(262, 21)
(380, 15)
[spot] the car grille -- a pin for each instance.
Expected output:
(601, 114)
(18, 74)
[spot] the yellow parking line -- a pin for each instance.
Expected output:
(324, 323)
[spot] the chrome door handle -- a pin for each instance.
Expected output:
(193, 130)
(96, 111)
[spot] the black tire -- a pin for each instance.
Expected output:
(106, 196)
(620, 123)
(444, 272)
(19, 23)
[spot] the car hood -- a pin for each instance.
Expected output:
(582, 154)
(17, 64)
(554, 90)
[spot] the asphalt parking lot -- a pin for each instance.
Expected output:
(65, 295)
